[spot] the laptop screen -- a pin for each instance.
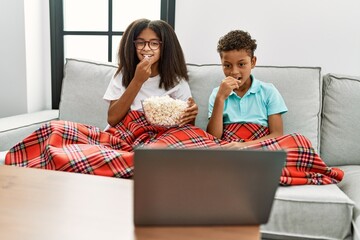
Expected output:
(205, 186)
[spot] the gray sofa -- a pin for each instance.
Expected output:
(323, 108)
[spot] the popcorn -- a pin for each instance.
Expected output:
(164, 111)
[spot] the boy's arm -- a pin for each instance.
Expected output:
(215, 125)
(276, 126)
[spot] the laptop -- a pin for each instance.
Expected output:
(188, 187)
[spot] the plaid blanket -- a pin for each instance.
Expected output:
(74, 147)
(303, 164)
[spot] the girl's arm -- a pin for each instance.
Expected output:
(119, 108)
(190, 113)
(275, 128)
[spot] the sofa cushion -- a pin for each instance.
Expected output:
(350, 185)
(292, 82)
(309, 212)
(299, 86)
(84, 85)
(202, 80)
(341, 114)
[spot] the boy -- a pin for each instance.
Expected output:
(241, 98)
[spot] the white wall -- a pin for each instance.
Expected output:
(324, 33)
(38, 61)
(12, 58)
(25, 75)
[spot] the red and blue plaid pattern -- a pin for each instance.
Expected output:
(303, 164)
(73, 147)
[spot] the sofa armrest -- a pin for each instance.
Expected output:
(2, 157)
(15, 128)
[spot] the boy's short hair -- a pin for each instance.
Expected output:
(237, 40)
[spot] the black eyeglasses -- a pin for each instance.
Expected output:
(153, 44)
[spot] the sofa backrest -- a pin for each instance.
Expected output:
(82, 91)
(85, 83)
(299, 86)
(340, 116)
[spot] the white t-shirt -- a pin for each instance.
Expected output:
(149, 88)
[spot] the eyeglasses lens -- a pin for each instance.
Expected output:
(153, 45)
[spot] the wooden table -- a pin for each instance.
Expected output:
(47, 205)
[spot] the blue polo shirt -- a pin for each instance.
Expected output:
(260, 101)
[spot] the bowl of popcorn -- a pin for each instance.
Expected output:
(163, 110)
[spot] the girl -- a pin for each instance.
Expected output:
(151, 63)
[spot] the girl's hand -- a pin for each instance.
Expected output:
(227, 86)
(143, 70)
(190, 113)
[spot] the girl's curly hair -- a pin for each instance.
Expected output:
(237, 40)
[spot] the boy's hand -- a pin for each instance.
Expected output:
(227, 86)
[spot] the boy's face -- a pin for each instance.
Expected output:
(237, 64)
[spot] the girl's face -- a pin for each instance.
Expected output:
(238, 64)
(148, 45)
